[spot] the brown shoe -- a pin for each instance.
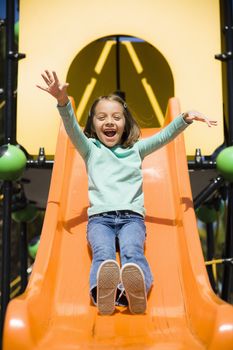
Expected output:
(132, 278)
(108, 278)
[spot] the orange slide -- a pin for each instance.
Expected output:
(55, 312)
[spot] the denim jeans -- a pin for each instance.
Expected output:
(129, 230)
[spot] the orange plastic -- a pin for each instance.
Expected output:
(183, 312)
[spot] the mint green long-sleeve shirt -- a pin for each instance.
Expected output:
(115, 174)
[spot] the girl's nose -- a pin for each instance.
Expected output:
(109, 121)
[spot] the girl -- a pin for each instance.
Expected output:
(113, 155)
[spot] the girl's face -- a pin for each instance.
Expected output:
(109, 122)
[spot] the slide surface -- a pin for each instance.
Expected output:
(183, 313)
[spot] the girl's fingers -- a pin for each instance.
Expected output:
(49, 75)
(209, 122)
(45, 79)
(195, 115)
(206, 120)
(54, 87)
(65, 85)
(55, 77)
(42, 88)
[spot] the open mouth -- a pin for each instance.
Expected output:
(109, 133)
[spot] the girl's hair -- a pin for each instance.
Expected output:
(132, 131)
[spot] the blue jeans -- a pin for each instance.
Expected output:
(126, 227)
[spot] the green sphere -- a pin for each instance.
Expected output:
(33, 247)
(224, 163)
(12, 162)
(208, 214)
(27, 214)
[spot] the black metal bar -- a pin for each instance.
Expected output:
(210, 253)
(41, 161)
(228, 271)
(10, 137)
(206, 164)
(192, 165)
(23, 256)
(48, 164)
(226, 12)
(118, 80)
(6, 250)
(208, 191)
(10, 120)
(201, 162)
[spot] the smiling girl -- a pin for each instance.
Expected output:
(113, 155)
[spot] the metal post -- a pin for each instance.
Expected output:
(10, 120)
(118, 71)
(226, 11)
(10, 125)
(210, 253)
(118, 83)
(6, 249)
(23, 256)
(228, 268)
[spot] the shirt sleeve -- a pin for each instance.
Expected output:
(167, 134)
(74, 131)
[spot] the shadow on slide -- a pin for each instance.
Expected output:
(183, 312)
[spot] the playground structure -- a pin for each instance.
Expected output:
(174, 314)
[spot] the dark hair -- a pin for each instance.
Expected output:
(132, 131)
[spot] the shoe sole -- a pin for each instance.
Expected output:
(133, 281)
(108, 278)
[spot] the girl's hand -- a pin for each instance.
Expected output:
(54, 87)
(190, 116)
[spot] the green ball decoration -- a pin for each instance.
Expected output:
(12, 162)
(27, 214)
(208, 214)
(224, 163)
(33, 247)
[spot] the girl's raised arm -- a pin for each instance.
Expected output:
(172, 130)
(59, 91)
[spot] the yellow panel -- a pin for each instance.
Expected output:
(52, 33)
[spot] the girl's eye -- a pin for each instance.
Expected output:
(117, 117)
(101, 117)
